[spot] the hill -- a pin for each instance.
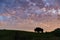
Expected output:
(23, 35)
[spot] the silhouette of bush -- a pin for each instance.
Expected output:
(57, 32)
(38, 30)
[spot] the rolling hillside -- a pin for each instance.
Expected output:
(23, 35)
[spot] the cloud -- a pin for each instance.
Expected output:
(18, 14)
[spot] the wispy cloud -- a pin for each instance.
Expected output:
(28, 14)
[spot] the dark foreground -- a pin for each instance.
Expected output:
(22, 35)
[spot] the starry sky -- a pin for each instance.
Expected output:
(28, 14)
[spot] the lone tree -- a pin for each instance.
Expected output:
(57, 32)
(38, 30)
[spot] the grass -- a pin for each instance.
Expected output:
(23, 35)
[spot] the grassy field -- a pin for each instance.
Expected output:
(23, 35)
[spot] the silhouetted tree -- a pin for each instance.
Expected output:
(38, 30)
(57, 32)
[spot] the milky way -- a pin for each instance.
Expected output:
(27, 14)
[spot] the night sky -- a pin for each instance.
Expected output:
(28, 14)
